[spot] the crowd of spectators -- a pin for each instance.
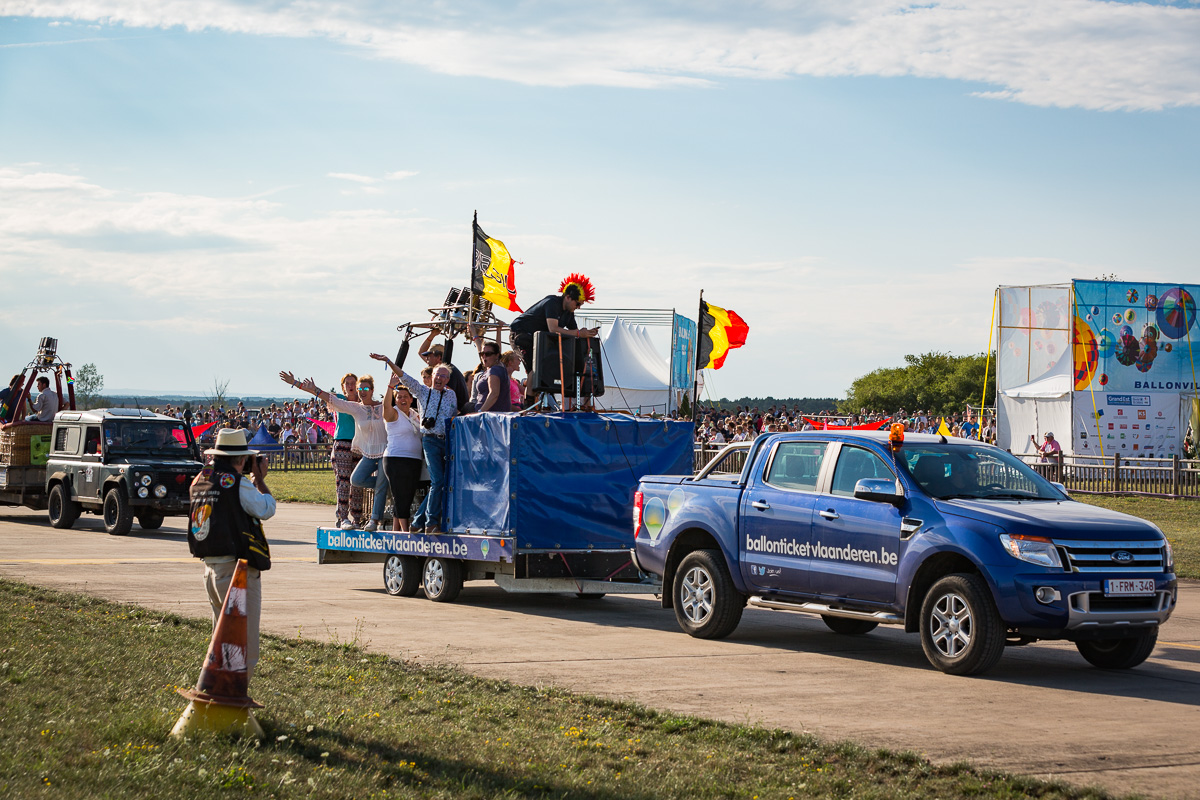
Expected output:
(720, 426)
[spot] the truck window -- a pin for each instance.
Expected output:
(855, 464)
(66, 440)
(91, 442)
(797, 465)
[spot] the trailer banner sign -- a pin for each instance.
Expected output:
(467, 548)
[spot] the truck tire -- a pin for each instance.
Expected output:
(62, 509)
(1119, 653)
(961, 631)
(442, 579)
(118, 516)
(707, 605)
(151, 520)
(848, 627)
(401, 576)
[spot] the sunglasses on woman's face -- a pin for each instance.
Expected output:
(365, 388)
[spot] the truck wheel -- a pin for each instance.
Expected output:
(62, 509)
(442, 579)
(151, 520)
(707, 605)
(1119, 653)
(848, 627)
(118, 516)
(401, 576)
(961, 631)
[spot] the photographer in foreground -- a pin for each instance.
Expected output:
(437, 409)
(230, 500)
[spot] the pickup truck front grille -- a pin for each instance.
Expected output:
(1124, 557)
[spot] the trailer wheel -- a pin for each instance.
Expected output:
(118, 516)
(1119, 653)
(401, 576)
(62, 509)
(707, 605)
(589, 595)
(442, 579)
(151, 520)
(848, 627)
(961, 630)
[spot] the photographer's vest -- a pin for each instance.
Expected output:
(219, 526)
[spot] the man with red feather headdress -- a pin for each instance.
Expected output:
(554, 313)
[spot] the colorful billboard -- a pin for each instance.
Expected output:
(1135, 337)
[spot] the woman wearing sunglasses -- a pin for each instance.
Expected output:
(370, 438)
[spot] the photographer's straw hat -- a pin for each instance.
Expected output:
(230, 442)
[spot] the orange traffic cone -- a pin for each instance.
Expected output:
(220, 701)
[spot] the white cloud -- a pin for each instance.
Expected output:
(1070, 53)
(399, 175)
(350, 176)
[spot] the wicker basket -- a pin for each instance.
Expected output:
(16, 442)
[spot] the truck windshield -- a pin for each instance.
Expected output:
(144, 436)
(976, 472)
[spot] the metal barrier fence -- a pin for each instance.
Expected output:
(301, 456)
(1118, 475)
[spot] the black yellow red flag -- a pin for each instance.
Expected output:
(493, 272)
(721, 330)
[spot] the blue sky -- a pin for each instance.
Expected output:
(190, 194)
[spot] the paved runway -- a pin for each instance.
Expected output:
(1042, 711)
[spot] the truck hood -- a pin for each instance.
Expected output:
(1067, 519)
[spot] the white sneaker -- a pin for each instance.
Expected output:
(371, 526)
(347, 525)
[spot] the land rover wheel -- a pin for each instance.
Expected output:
(62, 509)
(118, 516)
(442, 579)
(151, 520)
(707, 605)
(1119, 653)
(848, 627)
(961, 631)
(401, 576)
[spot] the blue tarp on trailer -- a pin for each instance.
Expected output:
(558, 481)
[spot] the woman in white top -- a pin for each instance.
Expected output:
(370, 439)
(403, 458)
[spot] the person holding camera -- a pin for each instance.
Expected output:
(438, 406)
(229, 501)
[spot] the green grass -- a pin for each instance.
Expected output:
(87, 698)
(1179, 520)
(303, 487)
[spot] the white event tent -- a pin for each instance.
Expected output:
(636, 377)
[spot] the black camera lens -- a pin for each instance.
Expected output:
(428, 423)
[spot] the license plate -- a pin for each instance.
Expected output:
(1127, 586)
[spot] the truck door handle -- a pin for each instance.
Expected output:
(829, 513)
(761, 505)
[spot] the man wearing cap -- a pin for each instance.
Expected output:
(434, 355)
(1048, 447)
(225, 525)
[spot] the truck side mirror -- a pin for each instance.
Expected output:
(879, 490)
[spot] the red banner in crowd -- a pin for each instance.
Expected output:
(196, 431)
(328, 427)
(826, 426)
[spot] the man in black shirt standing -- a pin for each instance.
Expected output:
(554, 313)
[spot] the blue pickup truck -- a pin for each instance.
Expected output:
(954, 539)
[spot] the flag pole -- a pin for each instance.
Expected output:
(696, 374)
(471, 285)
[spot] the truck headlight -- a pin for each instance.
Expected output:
(143, 492)
(1168, 555)
(145, 480)
(1034, 549)
(160, 491)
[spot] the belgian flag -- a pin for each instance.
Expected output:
(721, 330)
(493, 272)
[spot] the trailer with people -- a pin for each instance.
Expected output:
(534, 503)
